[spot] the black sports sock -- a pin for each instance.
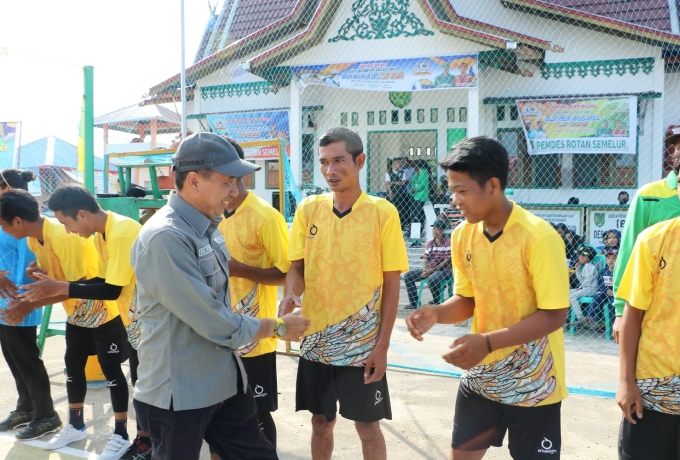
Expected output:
(267, 425)
(75, 418)
(120, 428)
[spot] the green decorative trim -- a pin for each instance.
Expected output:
(595, 68)
(196, 116)
(370, 118)
(239, 89)
(313, 108)
(400, 99)
(377, 19)
(513, 100)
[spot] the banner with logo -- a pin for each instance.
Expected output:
(414, 74)
(572, 218)
(603, 219)
(10, 133)
(592, 126)
(252, 127)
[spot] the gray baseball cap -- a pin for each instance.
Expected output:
(210, 151)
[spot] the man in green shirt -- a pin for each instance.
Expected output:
(445, 80)
(420, 188)
(653, 203)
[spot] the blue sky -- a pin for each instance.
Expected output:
(132, 44)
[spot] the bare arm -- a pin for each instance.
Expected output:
(455, 310)
(628, 395)
(267, 276)
(295, 286)
(533, 327)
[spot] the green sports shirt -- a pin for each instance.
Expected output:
(653, 203)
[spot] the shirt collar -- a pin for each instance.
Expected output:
(672, 180)
(192, 216)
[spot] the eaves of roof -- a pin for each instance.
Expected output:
(599, 22)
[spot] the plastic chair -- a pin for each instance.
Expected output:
(585, 301)
(45, 330)
(446, 283)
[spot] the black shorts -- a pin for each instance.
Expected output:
(108, 341)
(655, 436)
(261, 371)
(320, 387)
(479, 423)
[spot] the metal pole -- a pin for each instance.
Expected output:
(88, 132)
(183, 91)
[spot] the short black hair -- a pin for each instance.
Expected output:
(16, 178)
(236, 146)
(352, 141)
(481, 158)
(68, 199)
(18, 203)
(181, 177)
(573, 200)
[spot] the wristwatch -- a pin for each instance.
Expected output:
(280, 328)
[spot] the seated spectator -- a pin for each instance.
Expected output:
(436, 268)
(604, 298)
(586, 273)
(611, 240)
(572, 242)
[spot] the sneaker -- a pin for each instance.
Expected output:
(410, 307)
(16, 419)
(40, 427)
(115, 448)
(137, 451)
(66, 436)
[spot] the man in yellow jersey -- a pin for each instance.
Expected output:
(510, 277)
(649, 390)
(93, 327)
(256, 236)
(77, 209)
(347, 252)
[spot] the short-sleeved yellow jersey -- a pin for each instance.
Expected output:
(345, 256)
(68, 257)
(651, 282)
(511, 276)
(115, 268)
(256, 234)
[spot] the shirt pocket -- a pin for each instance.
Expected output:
(211, 270)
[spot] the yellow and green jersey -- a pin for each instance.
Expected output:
(511, 276)
(651, 283)
(256, 234)
(345, 255)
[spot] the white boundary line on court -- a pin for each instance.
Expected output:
(41, 444)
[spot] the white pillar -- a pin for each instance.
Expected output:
(473, 113)
(295, 133)
(650, 169)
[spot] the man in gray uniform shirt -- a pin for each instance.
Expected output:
(192, 386)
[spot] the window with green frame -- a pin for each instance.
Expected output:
(343, 119)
